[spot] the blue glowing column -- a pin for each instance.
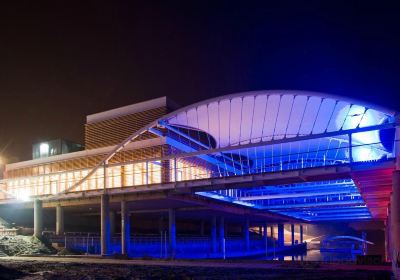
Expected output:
(247, 234)
(292, 231)
(301, 234)
(37, 218)
(213, 228)
(221, 234)
(395, 215)
(281, 236)
(172, 232)
(105, 225)
(125, 229)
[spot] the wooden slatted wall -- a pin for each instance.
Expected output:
(114, 131)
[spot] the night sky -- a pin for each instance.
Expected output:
(63, 60)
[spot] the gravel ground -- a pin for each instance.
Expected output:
(23, 245)
(34, 270)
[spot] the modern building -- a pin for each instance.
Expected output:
(236, 164)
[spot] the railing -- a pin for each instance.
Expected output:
(157, 245)
(326, 151)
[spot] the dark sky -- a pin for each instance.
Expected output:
(63, 60)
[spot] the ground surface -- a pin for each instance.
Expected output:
(34, 268)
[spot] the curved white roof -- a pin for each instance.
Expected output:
(251, 117)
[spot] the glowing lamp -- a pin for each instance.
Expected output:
(44, 149)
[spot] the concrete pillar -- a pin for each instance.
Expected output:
(301, 234)
(221, 233)
(247, 234)
(213, 228)
(388, 252)
(165, 171)
(59, 220)
(281, 236)
(112, 223)
(397, 146)
(105, 225)
(106, 181)
(395, 215)
(125, 228)
(123, 177)
(37, 218)
(292, 231)
(272, 231)
(172, 232)
(265, 238)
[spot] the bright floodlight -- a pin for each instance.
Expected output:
(44, 149)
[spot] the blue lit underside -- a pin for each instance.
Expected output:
(315, 201)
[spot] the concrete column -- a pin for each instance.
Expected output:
(386, 240)
(395, 215)
(165, 171)
(221, 233)
(106, 182)
(272, 231)
(213, 228)
(172, 232)
(265, 238)
(389, 227)
(301, 234)
(247, 234)
(123, 180)
(59, 220)
(281, 236)
(397, 146)
(37, 218)
(105, 225)
(125, 228)
(112, 223)
(292, 231)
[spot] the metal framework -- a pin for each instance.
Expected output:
(267, 132)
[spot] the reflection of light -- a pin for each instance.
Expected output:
(354, 118)
(44, 149)
(358, 117)
(363, 154)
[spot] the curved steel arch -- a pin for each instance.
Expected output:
(160, 122)
(348, 237)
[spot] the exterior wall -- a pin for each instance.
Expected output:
(126, 168)
(113, 131)
(54, 177)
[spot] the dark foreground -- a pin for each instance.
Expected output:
(84, 269)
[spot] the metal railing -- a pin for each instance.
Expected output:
(193, 166)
